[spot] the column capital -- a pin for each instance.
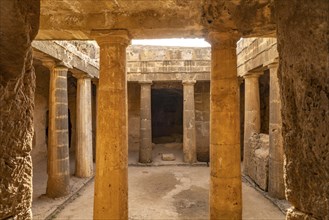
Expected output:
(146, 82)
(79, 74)
(111, 36)
(51, 64)
(273, 65)
(253, 74)
(188, 82)
(222, 40)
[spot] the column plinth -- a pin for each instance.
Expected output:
(84, 148)
(252, 115)
(58, 183)
(276, 186)
(225, 175)
(145, 149)
(189, 142)
(111, 181)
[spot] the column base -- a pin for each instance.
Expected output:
(58, 186)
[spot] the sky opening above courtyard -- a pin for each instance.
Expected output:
(174, 42)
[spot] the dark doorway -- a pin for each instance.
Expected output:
(167, 115)
(264, 95)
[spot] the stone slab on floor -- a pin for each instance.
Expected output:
(168, 157)
(259, 160)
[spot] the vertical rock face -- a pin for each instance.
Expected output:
(19, 23)
(303, 35)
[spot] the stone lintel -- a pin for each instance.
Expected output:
(176, 77)
(272, 63)
(45, 50)
(146, 82)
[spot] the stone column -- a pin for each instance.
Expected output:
(58, 183)
(252, 114)
(84, 147)
(145, 149)
(111, 181)
(189, 142)
(225, 175)
(276, 186)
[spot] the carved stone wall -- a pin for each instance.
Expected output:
(303, 40)
(18, 26)
(258, 171)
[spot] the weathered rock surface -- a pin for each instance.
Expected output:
(166, 18)
(303, 39)
(258, 169)
(19, 24)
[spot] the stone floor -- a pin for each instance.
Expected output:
(166, 190)
(174, 192)
(43, 206)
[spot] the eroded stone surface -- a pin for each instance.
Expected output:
(259, 159)
(304, 78)
(19, 25)
(75, 19)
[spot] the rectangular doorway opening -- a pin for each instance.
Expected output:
(167, 120)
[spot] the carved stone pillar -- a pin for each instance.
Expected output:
(58, 183)
(276, 186)
(84, 145)
(111, 181)
(252, 114)
(189, 142)
(225, 175)
(145, 149)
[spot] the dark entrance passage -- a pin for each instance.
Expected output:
(167, 115)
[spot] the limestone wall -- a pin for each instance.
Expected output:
(158, 63)
(255, 53)
(304, 78)
(258, 171)
(19, 24)
(170, 65)
(202, 105)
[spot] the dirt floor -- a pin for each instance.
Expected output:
(174, 192)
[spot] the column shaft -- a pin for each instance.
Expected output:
(276, 186)
(252, 115)
(145, 150)
(189, 142)
(225, 174)
(111, 182)
(58, 146)
(84, 151)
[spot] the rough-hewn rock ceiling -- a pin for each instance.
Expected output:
(74, 19)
